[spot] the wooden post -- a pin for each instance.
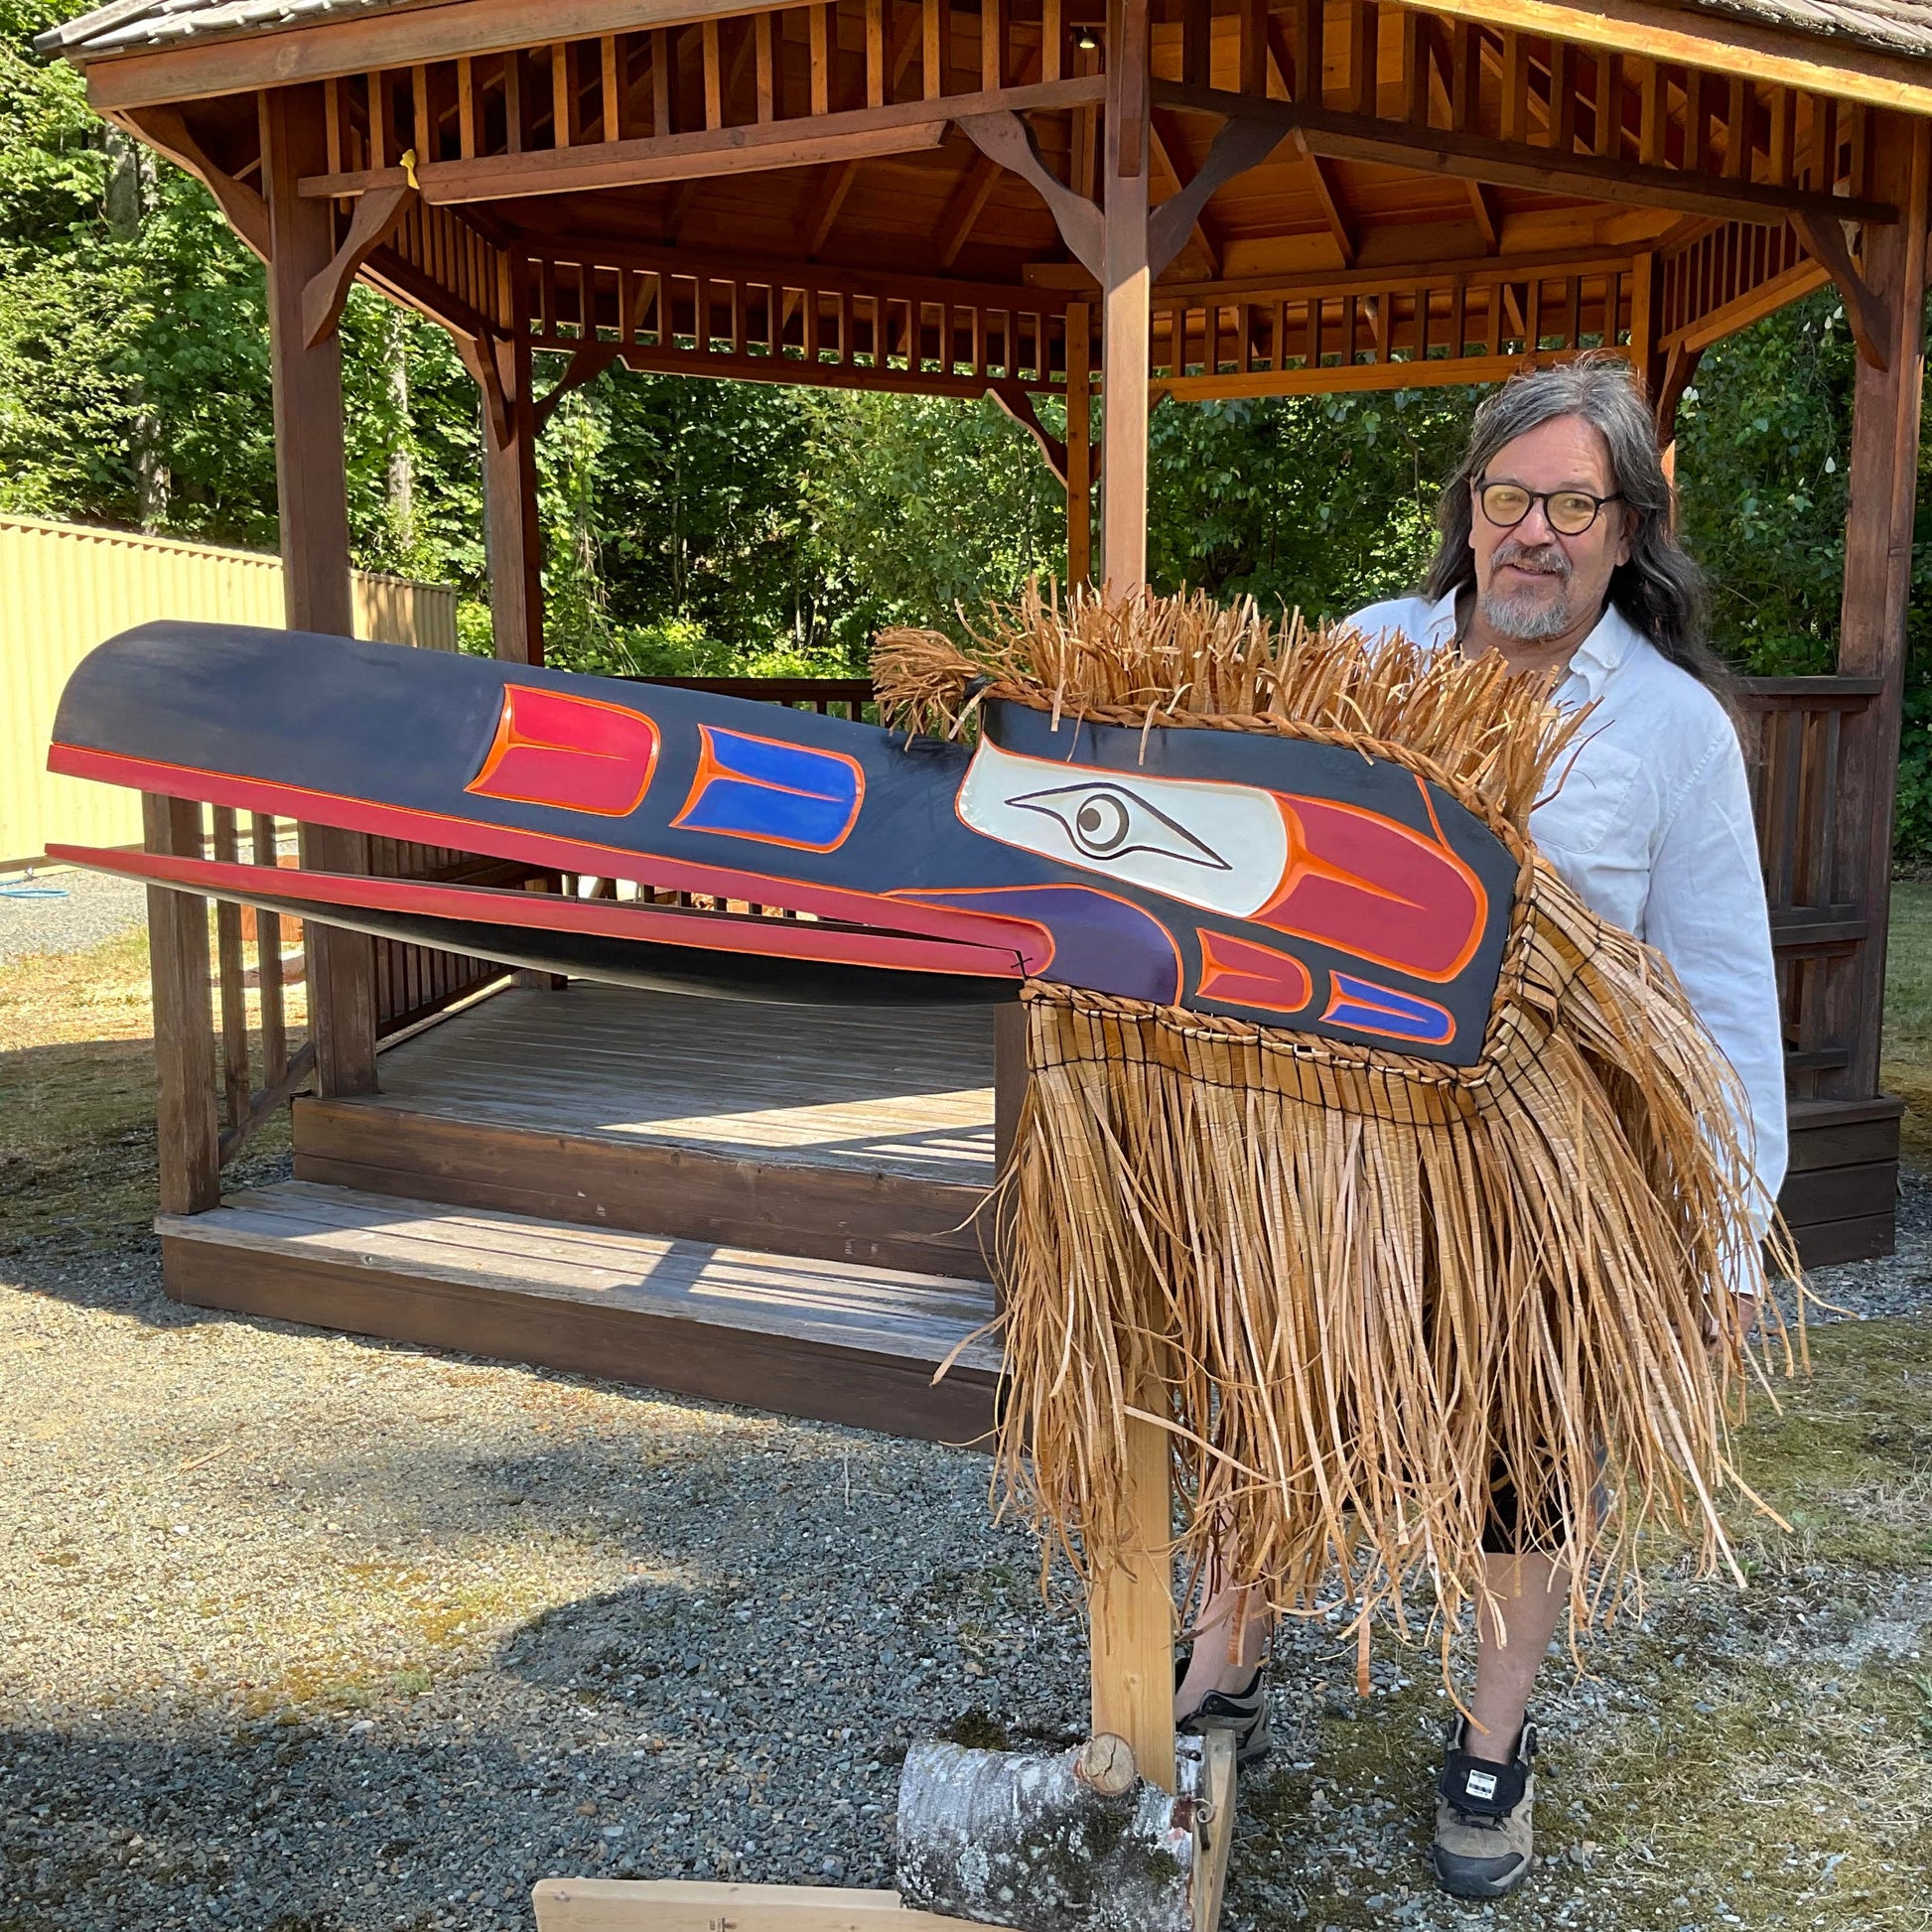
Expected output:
(1131, 1611)
(1079, 443)
(513, 536)
(313, 496)
(1877, 578)
(1127, 290)
(187, 1133)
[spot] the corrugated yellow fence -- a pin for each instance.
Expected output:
(64, 587)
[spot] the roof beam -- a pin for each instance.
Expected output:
(1451, 152)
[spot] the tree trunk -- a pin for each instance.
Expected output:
(130, 186)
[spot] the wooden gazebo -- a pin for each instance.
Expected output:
(1027, 199)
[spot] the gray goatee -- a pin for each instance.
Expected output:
(1524, 616)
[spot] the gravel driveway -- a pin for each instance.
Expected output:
(63, 910)
(312, 1634)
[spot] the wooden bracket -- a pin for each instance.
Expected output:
(167, 131)
(1239, 146)
(1680, 365)
(377, 214)
(483, 357)
(1008, 140)
(1824, 240)
(1018, 404)
(586, 365)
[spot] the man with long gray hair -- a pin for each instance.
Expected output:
(1558, 554)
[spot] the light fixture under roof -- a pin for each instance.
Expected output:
(1087, 39)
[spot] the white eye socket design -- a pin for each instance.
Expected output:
(1107, 821)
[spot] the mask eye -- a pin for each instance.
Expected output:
(1107, 821)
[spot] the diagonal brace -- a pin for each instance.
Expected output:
(1008, 140)
(376, 217)
(1824, 240)
(1239, 146)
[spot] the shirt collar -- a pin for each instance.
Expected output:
(1598, 655)
(1593, 662)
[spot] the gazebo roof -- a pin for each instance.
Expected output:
(1902, 27)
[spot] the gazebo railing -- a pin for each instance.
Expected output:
(1819, 920)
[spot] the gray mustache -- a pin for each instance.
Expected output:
(1539, 556)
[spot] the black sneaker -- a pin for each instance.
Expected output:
(1244, 1713)
(1483, 1846)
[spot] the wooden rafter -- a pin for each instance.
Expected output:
(823, 211)
(968, 201)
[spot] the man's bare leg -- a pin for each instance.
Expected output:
(1512, 1637)
(1230, 1641)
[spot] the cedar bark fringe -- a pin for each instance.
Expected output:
(1367, 1287)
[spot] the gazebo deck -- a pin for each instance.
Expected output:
(840, 1134)
(775, 1205)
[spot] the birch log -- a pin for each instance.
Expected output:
(1040, 1844)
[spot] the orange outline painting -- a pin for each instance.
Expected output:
(579, 754)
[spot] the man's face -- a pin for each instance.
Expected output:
(1534, 582)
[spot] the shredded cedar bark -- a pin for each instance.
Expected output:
(1355, 1287)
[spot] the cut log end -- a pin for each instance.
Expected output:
(1106, 1765)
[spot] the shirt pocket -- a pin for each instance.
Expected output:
(1597, 802)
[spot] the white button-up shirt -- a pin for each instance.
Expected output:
(1652, 825)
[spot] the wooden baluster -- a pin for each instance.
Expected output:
(1052, 41)
(186, 1129)
(1311, 19)
(1196, 43)
(1559, 130)
(714, 76)
(514, 102)
(230, 969)
(992, 39)
(422, 130)
(1414, 29)
(381, 147)
(465, 108)
(875, 77)
(932, 51)
(268, 963)
(661, 83)
(1365, 52)
(1515, 120)
(1653, 125)
(820, 26)
(611, 95)
(332, 114)
(1610, 105)
(766, 69)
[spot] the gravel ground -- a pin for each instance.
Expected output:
(91, 906)
(312, 1634)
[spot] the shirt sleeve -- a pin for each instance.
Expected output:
(1705, 914)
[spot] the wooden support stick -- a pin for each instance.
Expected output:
(1129, 1614)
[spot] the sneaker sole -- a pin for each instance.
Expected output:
(1459, 1885)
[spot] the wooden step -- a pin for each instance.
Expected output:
(788, 1333)
(850, 1136)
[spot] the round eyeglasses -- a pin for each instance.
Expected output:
(1568, 512)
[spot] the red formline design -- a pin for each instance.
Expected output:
(733, 932)
(1028, 940)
